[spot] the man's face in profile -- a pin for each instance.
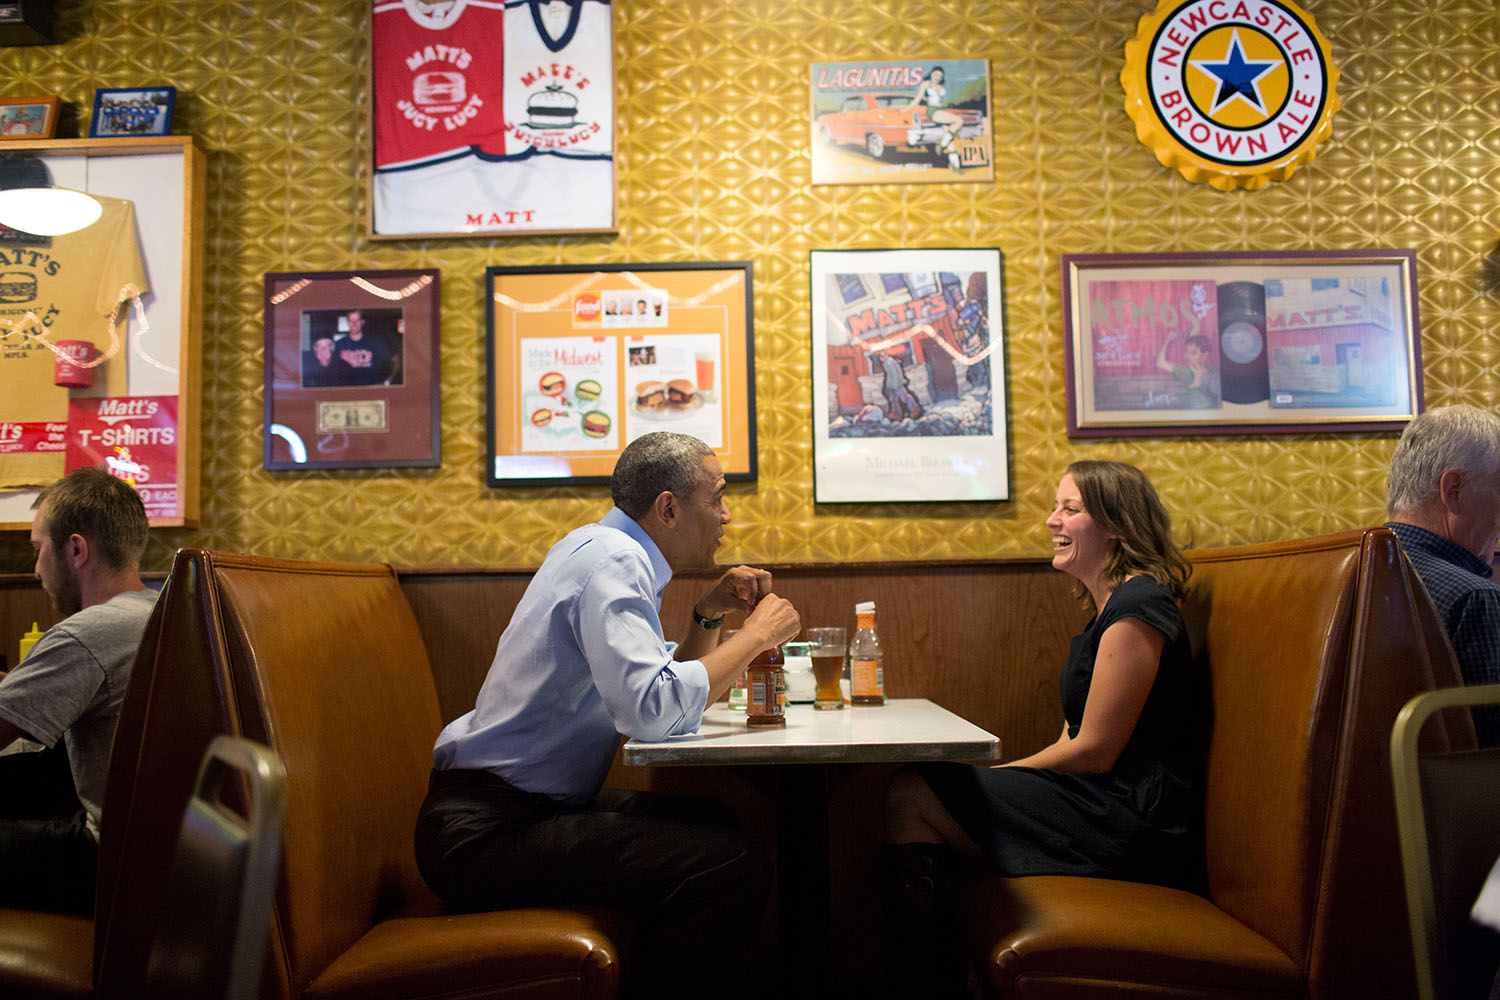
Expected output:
(58, 578)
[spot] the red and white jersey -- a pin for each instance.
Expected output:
(438, 78)
(559, 78)
(551, 166)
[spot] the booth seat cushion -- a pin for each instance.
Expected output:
(534, 954)
(45, 955)
(1085, 932)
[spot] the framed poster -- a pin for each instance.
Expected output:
(492, 118)
(584, 359)
(913, 121)
(352, 370)
(101, 329)
(132, 111)
(28, 117)
(908, 375)
(1244, 342)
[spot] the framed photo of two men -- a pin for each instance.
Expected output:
(351, 370)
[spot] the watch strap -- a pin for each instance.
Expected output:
(702, 622)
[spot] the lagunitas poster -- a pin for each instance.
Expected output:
(135, 438)
(908, 121)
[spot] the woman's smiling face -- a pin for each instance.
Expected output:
(1080, 547)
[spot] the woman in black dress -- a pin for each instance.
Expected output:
(1119, 794)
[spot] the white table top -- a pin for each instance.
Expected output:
(903, 729)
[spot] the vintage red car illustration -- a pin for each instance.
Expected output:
(882, 122)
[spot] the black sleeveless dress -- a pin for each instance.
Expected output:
(1143, 820)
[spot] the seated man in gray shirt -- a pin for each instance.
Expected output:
(89, 533)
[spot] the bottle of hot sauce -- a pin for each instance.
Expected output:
(767, 689)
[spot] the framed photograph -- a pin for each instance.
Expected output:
(28, 117)
(1241, 343)
(491, 119)
(908, 369)
(132, 111)
(352, 370)
(585, 359)
(912, 121)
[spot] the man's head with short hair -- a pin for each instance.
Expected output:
(654, 463)
(102, 508)
(1461, 438)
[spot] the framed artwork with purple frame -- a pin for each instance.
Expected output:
(1254, 342)
(351, 368)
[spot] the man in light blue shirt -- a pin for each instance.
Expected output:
(515, 813)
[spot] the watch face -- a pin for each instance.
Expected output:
(1241, 342)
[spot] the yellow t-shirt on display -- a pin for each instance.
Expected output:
(51, 290)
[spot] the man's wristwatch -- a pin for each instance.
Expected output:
(702, 622)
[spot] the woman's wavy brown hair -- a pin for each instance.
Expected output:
(1122, 501)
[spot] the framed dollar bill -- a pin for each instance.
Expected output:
(1244, 342)
(351, 367)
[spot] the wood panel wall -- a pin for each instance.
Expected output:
(985, 639)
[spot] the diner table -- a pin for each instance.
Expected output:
(903, 730)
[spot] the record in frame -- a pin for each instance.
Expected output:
(351, 369)
(1242, 342)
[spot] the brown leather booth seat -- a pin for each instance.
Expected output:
(1311, 648)
(326, 666)
(173, 707)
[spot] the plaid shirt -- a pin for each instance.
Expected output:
(1469, 603)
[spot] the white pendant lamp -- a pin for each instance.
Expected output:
(30, 203)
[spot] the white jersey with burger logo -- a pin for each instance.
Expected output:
(553, 168)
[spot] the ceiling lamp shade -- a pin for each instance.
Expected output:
(30, 203)
(48, 211)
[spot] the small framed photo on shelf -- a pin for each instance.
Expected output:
(908, 376)
(352, 370)
(1249, 342)
(28, 117)
(132, 111)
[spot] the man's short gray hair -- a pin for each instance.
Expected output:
(653, 463)
(1460, 437)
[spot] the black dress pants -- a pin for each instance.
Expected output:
(693, 885)
(48, 859)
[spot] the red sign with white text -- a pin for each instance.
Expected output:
(135, 437)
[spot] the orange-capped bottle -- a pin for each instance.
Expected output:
(866, 660)
(766, 689)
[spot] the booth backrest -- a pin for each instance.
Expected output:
(178, 699)
(353, 720)
(1311, 648)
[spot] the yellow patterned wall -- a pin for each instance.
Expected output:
(714, 165)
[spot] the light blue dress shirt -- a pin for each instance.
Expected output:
(582, 661)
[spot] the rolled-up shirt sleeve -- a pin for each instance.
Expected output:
(649, 695)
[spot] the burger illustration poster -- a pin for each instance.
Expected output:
(672, 382)
(569, 399)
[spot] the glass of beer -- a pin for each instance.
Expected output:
(828, 645)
